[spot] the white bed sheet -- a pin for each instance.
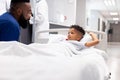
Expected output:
(49, 62)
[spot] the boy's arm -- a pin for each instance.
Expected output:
(94, 40)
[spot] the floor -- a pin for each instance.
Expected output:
(113, 51)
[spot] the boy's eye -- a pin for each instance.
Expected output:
(72, 33)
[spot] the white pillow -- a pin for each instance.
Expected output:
(86, 38)
(54, 38)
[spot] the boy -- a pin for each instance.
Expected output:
(76, 33)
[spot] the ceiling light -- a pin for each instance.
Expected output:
(115, 19)
(109, 2)
(113, 13)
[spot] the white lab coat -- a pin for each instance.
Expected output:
(40, 19)
(4, 6)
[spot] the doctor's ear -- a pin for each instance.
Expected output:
(19, 11)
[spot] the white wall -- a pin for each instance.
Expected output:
(81, 13)
(76, 11)
(95, 20)
(58, 9)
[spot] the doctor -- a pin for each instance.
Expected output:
(40, 19)
(4, 6)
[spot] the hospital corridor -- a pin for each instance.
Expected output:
(113, 51)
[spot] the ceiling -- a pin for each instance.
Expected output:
(100, 6)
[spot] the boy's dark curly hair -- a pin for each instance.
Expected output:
(78, 28)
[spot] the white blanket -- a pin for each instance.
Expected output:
(49, 62)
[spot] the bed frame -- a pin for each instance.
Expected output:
(101, 35)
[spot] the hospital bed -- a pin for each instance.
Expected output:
(51, 61)
(56, 34)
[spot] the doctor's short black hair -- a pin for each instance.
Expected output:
(16, 4)
(78, 28)
(19, 1)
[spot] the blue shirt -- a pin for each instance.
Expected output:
(9, 28)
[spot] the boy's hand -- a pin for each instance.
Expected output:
(94, 40)
(91, 34)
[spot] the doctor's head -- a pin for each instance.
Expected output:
(75, 33)
(21, 10)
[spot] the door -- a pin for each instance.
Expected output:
(115, 32)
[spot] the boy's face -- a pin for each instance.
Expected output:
(73, 34)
